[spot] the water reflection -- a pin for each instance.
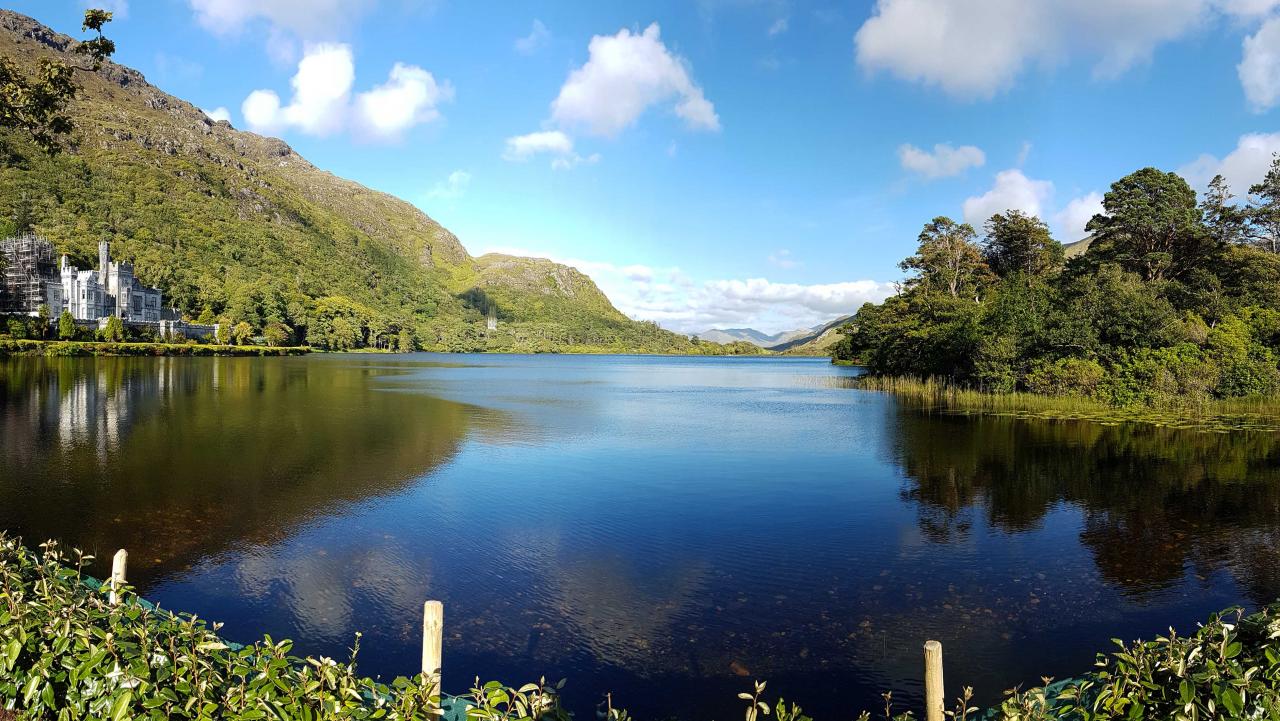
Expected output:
(186, 457)
(1156, 502)
(662, 528)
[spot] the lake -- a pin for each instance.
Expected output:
(667, 529)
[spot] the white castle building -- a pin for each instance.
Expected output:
(110, 290)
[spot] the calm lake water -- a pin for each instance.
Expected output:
(664, 528)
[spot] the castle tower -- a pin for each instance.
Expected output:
(104, 258)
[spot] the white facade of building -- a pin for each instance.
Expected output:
(110, 290)
(82, 292)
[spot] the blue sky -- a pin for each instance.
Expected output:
(727, 162)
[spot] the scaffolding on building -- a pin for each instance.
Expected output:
(28, 268)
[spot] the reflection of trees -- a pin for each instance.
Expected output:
(1155, 500)
(181, 457)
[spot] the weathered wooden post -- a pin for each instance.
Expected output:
(934, 700)
(432, 647)
(118, 565)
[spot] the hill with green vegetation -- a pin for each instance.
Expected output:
(817, 342)
(238, 227)
(1171, 301)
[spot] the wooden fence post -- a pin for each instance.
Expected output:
(934, 698)
(432, 646)
(118, 566)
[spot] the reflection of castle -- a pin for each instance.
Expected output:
(30, 281)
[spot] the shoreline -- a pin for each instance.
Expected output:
(84, 349)
(1217, 415)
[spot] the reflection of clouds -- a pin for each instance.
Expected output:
(620, 613)
(318, 587)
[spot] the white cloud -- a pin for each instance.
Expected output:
(219, 113)
(1247, 8)
(626, 74)
(523, 147)
(453, 187)
(778, 27)
(1245, 165)
(322, 103)
(1078, 212)
(1023, 153)
(306, 18)
(783, 259)
(1259, 67)
(409, 97)
(553, 143)
(669, 296)
(976, 48)
(573, 160)
(944, 162)
(1012, 191)
(537, 39)
(321, 93)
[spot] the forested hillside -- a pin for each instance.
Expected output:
(1171, 300)
(239, 227)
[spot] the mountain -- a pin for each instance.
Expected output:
(816, 341)
(750, 335)
(238, 226)
(1078, 248)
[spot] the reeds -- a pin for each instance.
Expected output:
(1256, 413)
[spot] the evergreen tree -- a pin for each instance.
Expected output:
(114, 330)
(66, 326)
(1227, 223)
(1020, 243)
(1264, 214)
(1152, 226)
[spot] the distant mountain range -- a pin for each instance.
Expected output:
(751, 335)
(797, 342)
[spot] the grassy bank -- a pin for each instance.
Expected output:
(93, 348)
(1257, 413)
(67, 652)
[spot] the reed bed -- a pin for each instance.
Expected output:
(1236, 414)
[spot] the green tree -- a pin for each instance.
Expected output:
(242, 333)
(1019, 243)
(1264, 213)
(113, 332)
(276, 333)
(1151, 225)
(37, 103)
(405, 341)
(947, 259)
(42, 318)
(66, 326)
(1227, 223)
(222, 332)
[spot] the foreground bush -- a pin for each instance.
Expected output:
(67, 653)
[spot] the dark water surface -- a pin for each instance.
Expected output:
(667, 529)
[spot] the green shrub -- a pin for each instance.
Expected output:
(67, 653)
(1066, 377)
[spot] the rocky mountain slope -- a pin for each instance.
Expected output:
(235, 225)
